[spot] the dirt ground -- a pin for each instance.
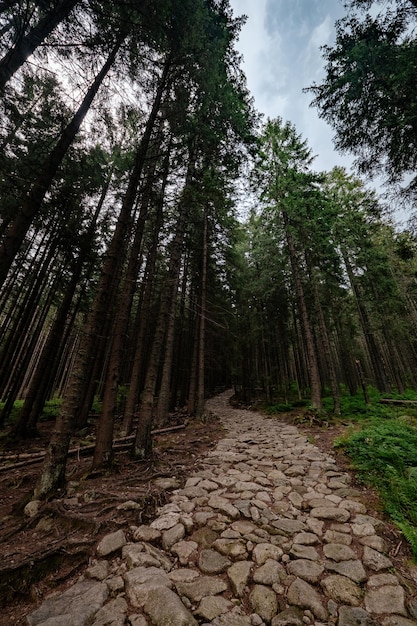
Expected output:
(48, 551)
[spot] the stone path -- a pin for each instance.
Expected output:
(267, 532)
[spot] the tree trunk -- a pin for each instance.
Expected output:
(31, 205)
(202, 327)
(26, 44)
(313, 368)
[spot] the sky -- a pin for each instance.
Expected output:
(280, 44)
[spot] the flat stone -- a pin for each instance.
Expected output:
(135, 556)
(353, 506)
(238, 575)
(146, 533)
(243, 527)
(306, 539)
(234, 549)
(265, 551)
(76, 606)
(165, 608)
(289, 526)
(138, 620)
(184, 550)
(165, 522)
(382, 579)
(223, 505)
(269, 573)
(111, 543)
(375, 560)
(375, 542)
(363, 530)
(172, 536)
(305, 596)
(211, 562)
(99, 571)
(115, 584)
(342, 590)
(349, 616)
(338, 552)
(307, 570)
(332, 536)
(141, 580)
(330, 513)
(304, 552)
(264, 602)
(183, 575)
(129, 505)
(351, 569)
(290, 617)
(396, 620)
(386, 599)
(113, 613)
(204, 537)
(201, 587)
(213, 606)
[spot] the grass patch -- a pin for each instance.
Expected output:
(384, 452)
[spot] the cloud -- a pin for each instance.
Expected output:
(281, 47)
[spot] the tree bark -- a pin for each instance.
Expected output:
(202, 327)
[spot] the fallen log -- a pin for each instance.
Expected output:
(36, 457)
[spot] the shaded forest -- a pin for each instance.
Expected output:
(131, 284)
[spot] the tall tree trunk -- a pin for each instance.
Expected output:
(53, 471)
(143, 439)
(202, 327)
(313, 367)
(31, 205)
(27, 44)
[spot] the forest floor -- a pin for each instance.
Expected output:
(49, 550)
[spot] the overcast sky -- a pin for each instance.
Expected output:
(280, 44)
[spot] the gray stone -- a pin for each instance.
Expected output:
(238, 575)
(146, 533)
(138, 620)
(396, 620)
(307, 570)
(184, 575)
(211, 562)
(232, 548)
(330, 513)
(165, 608)
(111, 543)
(129, 505)
(77, 605)
(243, 527)
(115, 584)
(351, 569)
(375, 560)
(305, 596)
(213, 606)
(172, 536)
(265, 551)
(382, 579)
(355, 616)
(159, 555)
(269, 573)
(289, 617)
(289, 526)
(375, 542)
(223, 505)
(184, 550)
(338, 552)
(204, 537)
(32, 508)
(386, 599)
(165, 522)
(99, 571)
(304, 552)
(135, 556)
(306, 539)
(342, 590)
(201, 587)
(264, 602)
(332, 536)
(112, 614)
(166, 483)
(141, 580)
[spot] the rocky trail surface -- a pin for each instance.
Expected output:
(268, 531)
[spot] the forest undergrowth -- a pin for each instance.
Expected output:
(379, 442)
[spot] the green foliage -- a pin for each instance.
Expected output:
(385, 454)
